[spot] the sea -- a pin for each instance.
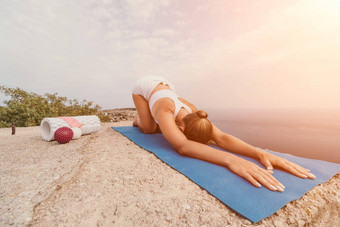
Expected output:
(309, 133)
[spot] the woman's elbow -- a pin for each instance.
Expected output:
(181, 152)
(183, 149)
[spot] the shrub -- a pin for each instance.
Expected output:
(29, 109)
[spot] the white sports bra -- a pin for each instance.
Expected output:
(168, 94)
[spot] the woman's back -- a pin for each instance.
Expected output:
(164, 99)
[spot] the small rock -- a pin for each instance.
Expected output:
(216, 215)
(186, 207)
(168, 218)
(301, 223)
(128, 177)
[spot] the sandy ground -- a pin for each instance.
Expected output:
(104, 179)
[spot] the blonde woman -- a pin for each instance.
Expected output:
(189, 131)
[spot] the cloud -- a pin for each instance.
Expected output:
(96, 49)
(80, 48)
(293, 52)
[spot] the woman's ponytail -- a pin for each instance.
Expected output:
(201, 114)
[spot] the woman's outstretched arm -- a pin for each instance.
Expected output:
(248, 170)
(235, 145)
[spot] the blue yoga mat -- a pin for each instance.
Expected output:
(253, 203)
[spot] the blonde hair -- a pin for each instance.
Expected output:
(197, 127)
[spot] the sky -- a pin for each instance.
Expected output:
(217, 53)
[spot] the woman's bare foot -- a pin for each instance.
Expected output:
(135, 124)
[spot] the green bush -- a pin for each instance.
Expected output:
(29, 109)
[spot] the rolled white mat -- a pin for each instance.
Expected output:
(50, 125)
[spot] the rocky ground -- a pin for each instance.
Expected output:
(123, 114)
(104, 179)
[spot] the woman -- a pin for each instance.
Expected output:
(189, 131)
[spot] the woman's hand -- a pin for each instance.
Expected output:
(254, 174)
(270, 161)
